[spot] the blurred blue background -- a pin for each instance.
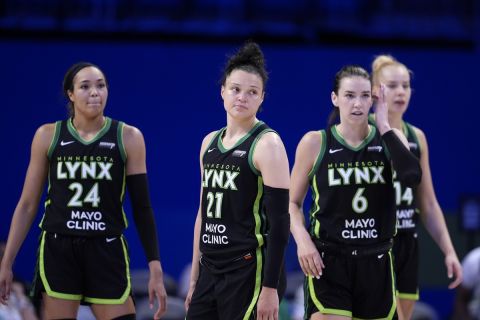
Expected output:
(163, 60)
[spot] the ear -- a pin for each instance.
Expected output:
(222, 92)
(70, 95)
(334, 99)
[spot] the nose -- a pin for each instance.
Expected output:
(357, 102)
(94, 91)
(401, 90)
(242, 96)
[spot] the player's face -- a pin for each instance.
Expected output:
(90, 92)
(242, 94)
(397, 80)
(354, 99)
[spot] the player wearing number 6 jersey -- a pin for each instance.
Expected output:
(346, 254)
(242, 225)
(89, 160)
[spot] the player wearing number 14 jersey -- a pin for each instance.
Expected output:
(412, 203)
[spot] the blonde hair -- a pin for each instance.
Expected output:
(382, 61)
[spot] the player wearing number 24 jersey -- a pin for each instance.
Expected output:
(89, 161)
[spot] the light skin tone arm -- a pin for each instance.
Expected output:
(432, 216)
(306, 154)
(196, 233)
(136, 164)
(270, 158)
(27, 206)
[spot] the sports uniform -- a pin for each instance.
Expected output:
(405, 248)
(82, 253)
(352, 223)
(233, 231)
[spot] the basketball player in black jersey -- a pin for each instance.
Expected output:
(89, 159)
(242, 225)
(412, 203)
(346, 252)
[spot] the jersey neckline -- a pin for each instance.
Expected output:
(106, 126)
(223, 149)
(336, 134)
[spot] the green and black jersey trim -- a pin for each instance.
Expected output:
(409, 296)
(410, 130)
(312, 176)
(258, 215)
(121, 145)
(106, 126)
(128, 289)
(315, 223)
(252, 150)
(54, 141)
(310, 293)
(123, 154)
(320, 155)
(367, 140)
(79, 297)
(259, 224)
(258, 285)
(43, 276)
(222, 148)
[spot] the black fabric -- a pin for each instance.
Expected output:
(276, 207)
(407, 166)
(143, 214)
(351, 251)
(126, 317)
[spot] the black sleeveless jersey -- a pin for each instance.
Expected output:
(405, 197)
(233, 220)
(86, 182)
(352, 191)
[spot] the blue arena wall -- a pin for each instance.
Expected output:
(171, 92)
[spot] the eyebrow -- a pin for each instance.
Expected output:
(98, 80)
(350, 91)
(238, 84)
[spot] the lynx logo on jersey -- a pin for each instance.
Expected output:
(97, 168)
(347, 176)
(224, 179)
